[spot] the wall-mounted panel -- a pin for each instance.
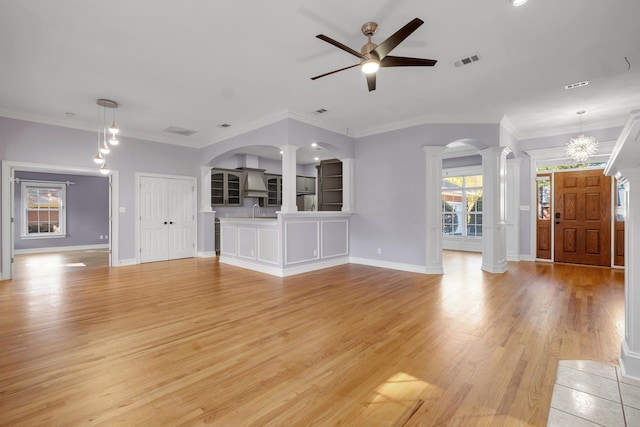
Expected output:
(302, 241)
(335, 238)
(268, 246)
(247, 242)
(228, 241)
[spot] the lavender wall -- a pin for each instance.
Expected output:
(87, 211)
(22, 141)
(390, 187)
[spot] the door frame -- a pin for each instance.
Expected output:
(547, 157)
(193, 179)
(8, 168)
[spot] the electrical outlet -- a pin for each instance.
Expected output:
(379, 251)
(252, 252)
(315, 252)
(101, 237)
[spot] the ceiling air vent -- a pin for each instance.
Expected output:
(320, 111)
(180, 131)
(468, 60)
(224, 125)
(575, 85)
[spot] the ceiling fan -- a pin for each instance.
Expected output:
(372, 56)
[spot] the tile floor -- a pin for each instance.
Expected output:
(588, 393)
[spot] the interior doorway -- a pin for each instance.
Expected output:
(9, 169)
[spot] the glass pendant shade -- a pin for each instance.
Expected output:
(104, 169)
(113, 140)
(113, 129)
(99, 158)
(105, 148)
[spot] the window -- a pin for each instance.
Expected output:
(462, 205)
(43, 209)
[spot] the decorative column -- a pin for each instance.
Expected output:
(630, 351)
(433, 197)
(348, 193)
(494, 238)
(289, 179)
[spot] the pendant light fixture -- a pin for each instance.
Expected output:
(582, 147)
(103, 146)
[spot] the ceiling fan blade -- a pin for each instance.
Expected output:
(335, 71)
(402, 61)
(371, 81)
(396, 38)
(340, 46)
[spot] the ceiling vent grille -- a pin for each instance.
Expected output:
(575, 85)
(180, 131)
(224, 125)
(321, 111)
(468, 60)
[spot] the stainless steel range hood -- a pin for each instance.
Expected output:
(254, 185)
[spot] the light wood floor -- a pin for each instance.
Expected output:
(195, 342)
(27, 266)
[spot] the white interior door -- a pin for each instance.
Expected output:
(153, 220)
(180, 193)
(167, 218)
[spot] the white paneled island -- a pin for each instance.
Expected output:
(291, 243)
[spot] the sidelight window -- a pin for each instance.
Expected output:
(462, 205)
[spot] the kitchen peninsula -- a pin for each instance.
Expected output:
(291, 243)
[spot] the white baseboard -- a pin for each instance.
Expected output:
(129, 261)
(283, 272)
(61, 249)
(207, 254)
(526, 257)
(412, 268)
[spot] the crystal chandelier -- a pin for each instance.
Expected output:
(582, 147)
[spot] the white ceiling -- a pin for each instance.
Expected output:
(197, 64)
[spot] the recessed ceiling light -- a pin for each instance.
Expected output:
(69, 114)
(517, 3)
(316, 158)
(281, 152)
(314, 144)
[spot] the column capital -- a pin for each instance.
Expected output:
(497, 150)
(628, 174)
(289, 147)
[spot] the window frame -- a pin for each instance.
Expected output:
(62, 217)
(466, 213)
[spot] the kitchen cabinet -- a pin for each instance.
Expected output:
(274, 190)
(226, 187)
(305, 185)
(330, 185)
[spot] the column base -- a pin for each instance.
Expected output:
(629, 362)
(494, 268)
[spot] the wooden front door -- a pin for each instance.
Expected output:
(582, 217)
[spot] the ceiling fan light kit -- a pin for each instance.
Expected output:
(373, 56)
